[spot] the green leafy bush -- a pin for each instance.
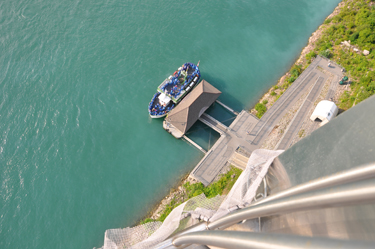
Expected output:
(291, 79)
(310, 55)
(261, 109)
(296, 70)
(325, 53)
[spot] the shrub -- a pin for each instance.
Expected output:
(265, 102)
(310, 55)
(273, 93)
(261, 109)
(296, 70)
(327, 20)
(291, 79)
(354, 37)
(325, 53)
(147, 220)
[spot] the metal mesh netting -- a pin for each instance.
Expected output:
(149, 234)
(199, 207)
(123, 238)
(245, 188)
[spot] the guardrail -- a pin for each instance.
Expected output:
(351, 187)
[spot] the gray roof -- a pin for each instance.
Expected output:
(188, 111)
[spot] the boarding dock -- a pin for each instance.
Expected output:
(247, 132)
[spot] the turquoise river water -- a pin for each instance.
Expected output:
(78, 152)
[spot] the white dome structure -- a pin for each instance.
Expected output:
(324, 111)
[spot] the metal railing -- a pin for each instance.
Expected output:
(351, 187)
(245, 240)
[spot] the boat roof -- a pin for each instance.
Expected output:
(164, 99)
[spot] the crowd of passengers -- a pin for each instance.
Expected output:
(175, 90)
(159, 109)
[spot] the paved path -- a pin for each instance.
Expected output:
(248, 132)
(302, 112)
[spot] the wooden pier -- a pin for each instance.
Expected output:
(248, 132)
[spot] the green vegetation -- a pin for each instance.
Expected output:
(222, 186)
(145, 221)
(294, 72)
(261, 109)
(301, 133)
(310, 56)
(354, 23)
(265, 102)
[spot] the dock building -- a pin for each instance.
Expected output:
(190, 109)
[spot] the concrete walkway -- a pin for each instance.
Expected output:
(248, 132)
(301, 114)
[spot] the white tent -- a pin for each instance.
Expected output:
(324, 111)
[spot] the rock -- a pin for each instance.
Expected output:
(366, 52)
(346, 43)
(233, 176)
(356, 49)
(282, 79)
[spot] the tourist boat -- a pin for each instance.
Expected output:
(173, 90)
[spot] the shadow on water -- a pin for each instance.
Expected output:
(221, 114)
(225, 97)
(203, 135)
